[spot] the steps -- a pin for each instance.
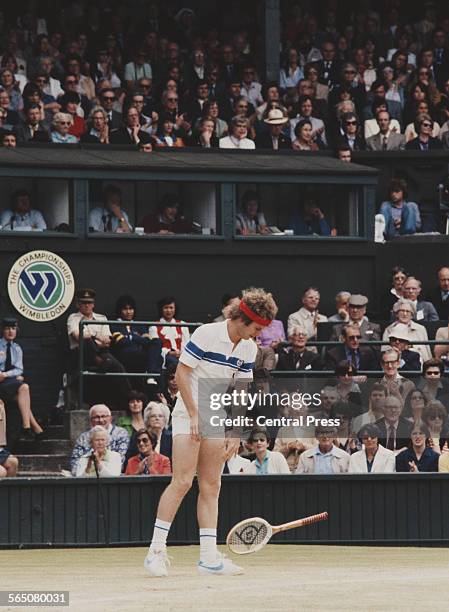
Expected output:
(44, 458)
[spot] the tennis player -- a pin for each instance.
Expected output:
(224, 351)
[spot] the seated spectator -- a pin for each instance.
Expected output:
(351, 136)
(325, 457)
(414, 406)
(347, 387)
(372, 126)
(375, 408)
(8, 140)
(174, 338)
(344, 154)
(99, 461)
(237, 139)
(97, 342)
(307, 317)
(272, 335)
(147, 461)
(425, 311)
(439, 296)
(395, 384)
(295, 356)
(73, 67)
(398, 278)
(70, 103)
(361, 357)
(329, 397)
(61, 124)
(169, 387)
(274, 139)
(133, 420)
(433, 383)
(292, 440)
(205, 134)
(149, 121)
(387, 138)
(418, 457)
(10, 118)
(9, 464)
(137, 69)
(272, 97)
(111, 217)
(118, 441)
(357, 306)
(131, 132)
(404, 310)
(168, 219)
(13, 387)
(305, 138)
(251, 220)
(373, 458)
(399, 340)
(341, 306)
(156, 417)
(21, 216)
(228, 300)
(104, 68)
(434, 418)
(131, 343)
(32, 127)
(9, 84)
(412, 129)
(107, 101)
(97, 128)
(291, 71)
(211, 109)
(424, 141)
(251, 89)
(266, 462)
(305, 111)
(441, 350)
(343, 412)
(310, 221)
(394, 429)
(166, 135)
(401, 216)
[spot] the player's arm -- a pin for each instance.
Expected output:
(183, 374)
(234, 435)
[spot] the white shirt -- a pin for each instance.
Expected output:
(230, 142)
(102, 332)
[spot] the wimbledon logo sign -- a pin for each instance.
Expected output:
(41, 286)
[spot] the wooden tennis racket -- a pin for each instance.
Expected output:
(250, 535)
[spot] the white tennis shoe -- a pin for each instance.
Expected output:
(157, 563)
(222, 567)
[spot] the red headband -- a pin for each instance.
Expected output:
(252, 315)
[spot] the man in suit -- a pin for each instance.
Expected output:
(274, 139)
(296, 356)
(195, 106)
(440, 57)
(329, 67)
(400, 340)
(352, 136)
(425, 311)
(107, 99)
(32, 128)
(439, 296)
(394, 430)
(357, 316)
(362, 358)
(386, 139)
(130, 133)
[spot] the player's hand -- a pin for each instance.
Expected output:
(194, 428)
(232, 446)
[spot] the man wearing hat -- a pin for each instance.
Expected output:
(357, 316)
(12, 385)
(274, 139)
(399, 339)
(97, 340)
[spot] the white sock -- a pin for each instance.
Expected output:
(160, 533)
(208, 546)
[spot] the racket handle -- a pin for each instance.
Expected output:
(308, 520)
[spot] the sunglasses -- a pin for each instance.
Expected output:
(431, 373)
(426, 125)
(108, 98)
(172, 99)
(64, 123)
(143, 440)
(351, 122)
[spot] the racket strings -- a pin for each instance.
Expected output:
(248, 536)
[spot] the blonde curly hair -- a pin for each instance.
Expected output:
(260, 301)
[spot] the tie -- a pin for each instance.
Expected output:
(109, 224)
(384, 143)
(445, 295)
(354, 358)
(8, 362)
(391, 438)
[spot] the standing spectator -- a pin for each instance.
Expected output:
(325, 457)
(61, 124)
(173, 337)
(266, 462)
(296, 356)
(307, 317)
(251, 220)
(357, 306)
(425, 311)
(394, 429)
(395, 384)
(21, 216)
(99, 416)
(424, 141)
(147, 461)
(401, 216)
(111, 217)
(373, 458)
(439, 296)
(274, 139)
(100, 461)
(404, 311)
(238, 138)
(12, 383)
(387, 139)
(418, 457)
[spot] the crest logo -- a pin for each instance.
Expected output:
(41, 285)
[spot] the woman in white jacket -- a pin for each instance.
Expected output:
(373, 458)
(100, 459)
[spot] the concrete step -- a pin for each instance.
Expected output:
(55, 432)
(43, 463)
(42, 474)
(43, 447)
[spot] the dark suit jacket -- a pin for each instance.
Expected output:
(122, 136)
(402, 433)
(23, 134)
(368, 359)
(412, 361)
(116, 122)
(334, 74)
(442, 308)
(359, 143)
(435, 144)
(369, 331)
(263, 141)
(289, 360)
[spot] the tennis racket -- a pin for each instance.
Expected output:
(250, 535)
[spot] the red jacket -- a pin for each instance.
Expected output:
(159, 465)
